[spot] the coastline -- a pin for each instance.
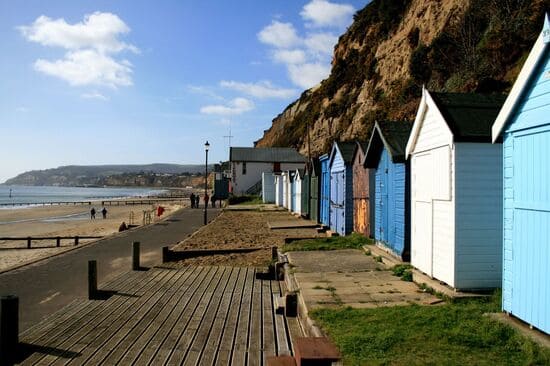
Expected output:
(60, 221)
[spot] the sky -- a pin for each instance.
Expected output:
(135, 82)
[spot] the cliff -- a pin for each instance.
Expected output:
(393, 48)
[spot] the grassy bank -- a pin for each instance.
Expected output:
(353, 241)
(451, 334)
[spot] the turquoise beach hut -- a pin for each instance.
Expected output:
(324, 206)
(523, 124)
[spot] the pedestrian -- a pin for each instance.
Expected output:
(92, 213)
(192, 199)
(104, 213)
(206, 198)
(122, 227)
(214, 200)
(197, 199)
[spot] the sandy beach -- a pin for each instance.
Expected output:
(62, 221)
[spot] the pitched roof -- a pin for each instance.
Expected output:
(523, 79)
(392, 135)
(315, 167)
(266, 155)
(347, 149)
(469, 115)
(362, 145)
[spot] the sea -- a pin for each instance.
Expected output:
(36, 194)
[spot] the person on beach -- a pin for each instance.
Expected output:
(92, 213)
(206, 198)
(104, 212)
(192, 199)
(122, 227)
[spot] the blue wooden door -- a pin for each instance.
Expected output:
(325, 193)
(293, 195)
(337, 201)
(384, 201)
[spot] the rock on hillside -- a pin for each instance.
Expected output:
(393, 48)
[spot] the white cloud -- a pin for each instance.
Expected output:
(309, 74)
(94, 95)
(262, 89)
(88, 67)
(280, 35)
(322, 13)
(289, 56)
(99, 31)
(321, 43)
(234, 107)
(203, 90)
(91, 45)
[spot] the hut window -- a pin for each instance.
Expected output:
(244, 168)
(276, 167)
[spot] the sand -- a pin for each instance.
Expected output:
(36, 221)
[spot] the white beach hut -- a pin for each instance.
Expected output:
(278, 178)
(268, 187)
(298, 179)
(456, 190)
(286, 189)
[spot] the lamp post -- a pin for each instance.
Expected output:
(206, 146)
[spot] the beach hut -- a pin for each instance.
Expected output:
(362, 209)
(456, 188)
(341, 187)
(286, 189)
(386, 155)
(278, 189)
(306, 178)
(298, 181)
(314, 189)
(324, 205)
(268, 187)
(523, 125)
(292, 190)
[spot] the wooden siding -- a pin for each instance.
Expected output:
(314, 198)
(268, 187)
(478, 250)
(434, 131)
(297, 194)
(361, 197)
(391, 219)
(341, 196)
(305, 209)
(325, 191)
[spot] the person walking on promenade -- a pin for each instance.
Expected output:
(214, 200)
(104, 213)
(192, 199)
(92, 213)
(197, 199)
(206, 198)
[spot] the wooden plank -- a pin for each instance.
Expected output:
(240, 345)
(55, 336)
(144, 332)
(294, 329)
(212, 314)
(120, 324)
(169, 344)
(280, 327)
(268, 338)
(150, 350)
(80, 328)
(182, 348)
(255, 329)
(225, 348)
(212, 346)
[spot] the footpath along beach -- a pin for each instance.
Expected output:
(64, 220)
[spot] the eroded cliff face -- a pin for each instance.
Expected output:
(392, 49)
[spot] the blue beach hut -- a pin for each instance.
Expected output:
(341, 187)
(324, 209)
(523, 124)
(386, 155)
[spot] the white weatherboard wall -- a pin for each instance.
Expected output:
(268, 187)
(286, 189)
(279, 190)
(432, 194)
(479, 215)
(253, 173)
(298, 185)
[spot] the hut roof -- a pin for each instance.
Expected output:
(392, 135)
(266, 155)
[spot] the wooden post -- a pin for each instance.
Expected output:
(135, 256)
(274, 254)
(76, 240)
(29, 242)
(58, 242)
(165, 254)
(291, 304)
(92, 279)
(9, 329)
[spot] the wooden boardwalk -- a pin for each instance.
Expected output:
(168, 316)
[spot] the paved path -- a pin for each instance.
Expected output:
(188, 315)
(47, 286)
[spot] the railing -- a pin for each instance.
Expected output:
(30, 239)
(144, 201)
(255, 189)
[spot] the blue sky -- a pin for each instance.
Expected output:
(128, 82)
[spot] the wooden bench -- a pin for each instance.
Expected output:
(317, 351)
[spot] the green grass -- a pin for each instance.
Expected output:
(245, 200)
(404, 271)
(353, 241)
(451, 334)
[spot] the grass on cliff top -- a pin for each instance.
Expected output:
(452, 334)
(353, 241)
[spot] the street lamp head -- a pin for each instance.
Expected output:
(206, 146)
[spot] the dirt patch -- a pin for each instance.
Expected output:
(242, 229)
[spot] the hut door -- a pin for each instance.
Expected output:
(384, 228)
